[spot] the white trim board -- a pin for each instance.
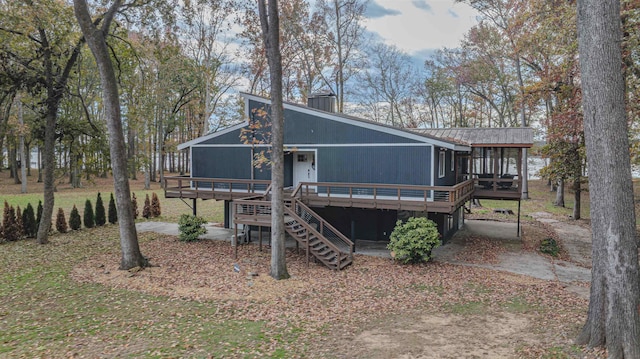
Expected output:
(300, 147)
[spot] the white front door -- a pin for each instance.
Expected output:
(304, 167)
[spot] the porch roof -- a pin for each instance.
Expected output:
(484, 137)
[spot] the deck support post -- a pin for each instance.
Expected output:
(353, 232)
(260, 238)
(519, 233)
(194, 208)
(234, 240)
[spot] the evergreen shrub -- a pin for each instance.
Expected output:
(88, 217)
(100, 214)
(413, 241)
(75, 222)
(191, 227)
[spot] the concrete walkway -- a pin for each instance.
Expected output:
(515, 260)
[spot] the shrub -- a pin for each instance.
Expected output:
(146, 210)
(549, 246)
(100, 215)
(88, 218)
(10, 230)
(74, 219)
(29, 222)
(134, 204)
(413, 241)
(155, 205)
(19, 224)
(39, 213)
(61, 222)
(113, 212)
(191, 227)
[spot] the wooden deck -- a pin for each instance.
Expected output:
(439, 199)
(213, 188)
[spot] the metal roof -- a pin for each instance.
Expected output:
(483, 137)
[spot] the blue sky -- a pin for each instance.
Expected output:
(419, 27)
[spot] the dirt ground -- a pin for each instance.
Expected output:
(487, 295)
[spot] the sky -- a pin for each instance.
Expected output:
(419, 27)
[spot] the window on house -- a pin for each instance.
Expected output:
(453, 161)
(441, 164)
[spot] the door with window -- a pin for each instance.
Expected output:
(304, 167)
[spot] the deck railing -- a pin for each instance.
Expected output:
(489, 181)
(398, 192)
(187, 187)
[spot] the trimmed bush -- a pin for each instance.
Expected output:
(39, 214)
(88, 218)
(100, 215)
(29, 222)
(134, 204)
(10, 230)
(61, 222)
(146, 210)
(19, 224)
(191, 227)
(113, 212)
(155, 205)
(413, 241)
(75, 222)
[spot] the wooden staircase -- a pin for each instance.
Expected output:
(312, 232)
(304, 228)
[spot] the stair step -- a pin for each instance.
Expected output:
(324, 251)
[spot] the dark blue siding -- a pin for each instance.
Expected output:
(394, 165)
(231, 138)
(449, 178)
(221, 162)
(302, 128)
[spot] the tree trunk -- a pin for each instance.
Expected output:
(270, 35)
(131, 255)
(613, 318)
(559, 194)
(49, 166)
(23, 155)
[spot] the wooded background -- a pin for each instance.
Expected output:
(180, 66)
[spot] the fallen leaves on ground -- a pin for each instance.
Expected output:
(333, 303)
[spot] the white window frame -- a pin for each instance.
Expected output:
(442, 164)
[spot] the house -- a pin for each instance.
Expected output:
(348, 176)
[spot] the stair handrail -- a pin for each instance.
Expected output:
(315, 232)
(323, 224)
(266, 191)
(295, 193)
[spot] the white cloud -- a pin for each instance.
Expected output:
(414, 30)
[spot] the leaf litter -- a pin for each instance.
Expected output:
(335, 306)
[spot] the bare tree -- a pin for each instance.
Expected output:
(613, 318)
(96, 39)
(270, 24)
(345, 33)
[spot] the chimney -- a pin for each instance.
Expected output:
(324, 101)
